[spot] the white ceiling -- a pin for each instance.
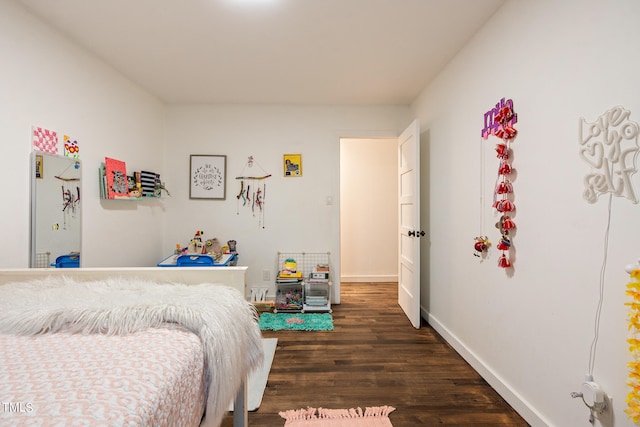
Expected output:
(345, 52)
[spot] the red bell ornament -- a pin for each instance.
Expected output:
(504, 244)
(508, 224)
(509, 132)
(503, 151)
(504, 115)
(504, 169)
(505, 206)
(504, 262)
(504, 187)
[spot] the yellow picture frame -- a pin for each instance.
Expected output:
(39, 167)
(292, 165)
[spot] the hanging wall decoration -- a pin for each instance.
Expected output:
(633, 290)
(609, 145)
(208, 176)
(253, 191)
(44, 140)
(499, 122)
(481, 245)
(71, 148)
(292, 165)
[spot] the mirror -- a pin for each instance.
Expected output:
(55, 211)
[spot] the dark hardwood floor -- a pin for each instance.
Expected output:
(375, 357)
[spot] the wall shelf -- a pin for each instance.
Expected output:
(122, 185)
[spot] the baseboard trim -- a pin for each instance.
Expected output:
(373, 279)
(526, 411)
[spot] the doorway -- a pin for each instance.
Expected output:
(368, 210)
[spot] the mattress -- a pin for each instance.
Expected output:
(154, 377)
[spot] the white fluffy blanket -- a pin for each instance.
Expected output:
(219, 315)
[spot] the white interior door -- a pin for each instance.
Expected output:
(409, 222)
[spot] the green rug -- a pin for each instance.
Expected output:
(296, 321)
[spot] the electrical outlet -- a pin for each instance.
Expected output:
(266, 275)
(607, 405)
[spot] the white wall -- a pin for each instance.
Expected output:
(529, 331)
(297, 217)
(369, 212)
(48, 82)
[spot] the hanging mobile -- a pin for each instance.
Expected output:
(253, 195)
(503, 190)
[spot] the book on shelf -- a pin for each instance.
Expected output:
(116, 176)
(290, 274)
(288, 279)
(148, 182)
(102, 181)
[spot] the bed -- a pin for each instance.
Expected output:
(134, 346)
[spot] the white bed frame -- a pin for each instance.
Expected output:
(229, 276)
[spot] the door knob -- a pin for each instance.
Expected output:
(411, 233)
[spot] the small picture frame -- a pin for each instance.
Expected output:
(208, 176)
(39, 166)
(292, 164)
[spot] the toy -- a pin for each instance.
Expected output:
(212, 247)
(135, 193)
(481, 245)
(290, 265)
(196, 246)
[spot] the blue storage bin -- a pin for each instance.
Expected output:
(194, 261)
(198, 260)
(67, 261)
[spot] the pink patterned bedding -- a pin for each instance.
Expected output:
(154, 377)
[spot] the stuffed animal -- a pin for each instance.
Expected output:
(213, 248)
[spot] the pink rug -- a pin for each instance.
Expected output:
(321, 417)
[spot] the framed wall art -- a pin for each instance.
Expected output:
(292, 164)
(39, 166)
(207, 176)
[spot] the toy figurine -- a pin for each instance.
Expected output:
(212, 247)
(196, 246)
(481, 245)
